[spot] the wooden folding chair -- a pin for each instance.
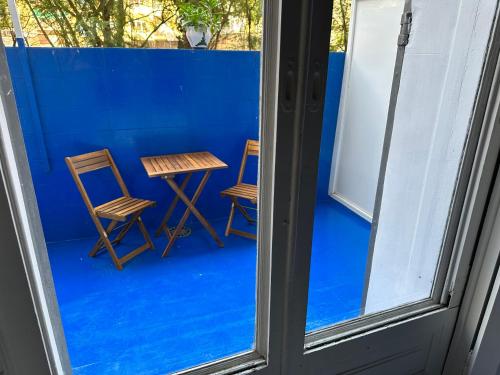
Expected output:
(242, 191)
(117, 210)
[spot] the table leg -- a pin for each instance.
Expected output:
(191, 208)
(170, 211)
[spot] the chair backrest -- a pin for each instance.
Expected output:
(252, 148)
(89, 162)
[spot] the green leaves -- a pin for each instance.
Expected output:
(200, 13)
(340, 25)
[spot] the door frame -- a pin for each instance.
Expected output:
(478, 275)
(475, 339)
(19, 326)
(23, 224)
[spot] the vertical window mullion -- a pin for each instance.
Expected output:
(304, 45)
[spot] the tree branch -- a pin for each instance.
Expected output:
(145, 42)
(39, 24)
(344, 23)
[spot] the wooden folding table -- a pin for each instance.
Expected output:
(167, 167)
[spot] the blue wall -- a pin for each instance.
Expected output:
(139, 102)
(332, 101)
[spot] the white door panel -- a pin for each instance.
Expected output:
(412, 347)
(439, 80)
(366, 89)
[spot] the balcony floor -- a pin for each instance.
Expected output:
(196, 305)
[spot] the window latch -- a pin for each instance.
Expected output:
(404, 34)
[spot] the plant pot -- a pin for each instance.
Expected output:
(198, 36)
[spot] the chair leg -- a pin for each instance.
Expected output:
(244, 212)
(230, 229)
(112, 252)
(135, 219)
(144, 232)
(107, 243)
(230, 219)
(125, 230)
(242, 233)
(99, 244)
(105, 240)
(148, 245)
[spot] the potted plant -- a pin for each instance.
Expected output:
(199, 18)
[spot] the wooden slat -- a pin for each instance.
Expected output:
(149, 166)
(191, 160)
(173, 161)
(93, 167)
(156, 165)
(111, 203)
(120, 208)
(134, 253)
(204, 161)
(132, 208)
(122, 205)
(241, 233)
(90, 161)
(246, 191)
(90, 155)
(162, 163)
(95, 160)
(165, 165)
(253, 147)
(183, 161)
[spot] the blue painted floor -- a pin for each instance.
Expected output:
(198, 304)
(338, 261)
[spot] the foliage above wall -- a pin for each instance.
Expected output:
(235, 24)
(200, 13)
(340, 25)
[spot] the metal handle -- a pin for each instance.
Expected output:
(289, 92)
(315, 94)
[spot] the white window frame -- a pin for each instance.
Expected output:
(475, 342)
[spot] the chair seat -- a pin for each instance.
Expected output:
(245, 191)
(119, 209)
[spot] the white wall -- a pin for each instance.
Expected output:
(440, 75)
(366, 90)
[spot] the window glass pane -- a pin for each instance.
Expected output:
(355, 270)
(114, 137)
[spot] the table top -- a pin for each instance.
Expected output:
(165, 165)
